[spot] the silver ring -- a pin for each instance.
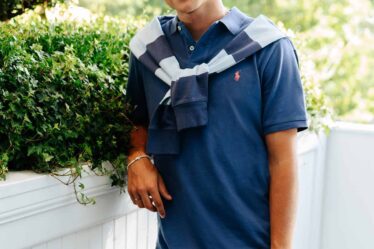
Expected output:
(136, 199)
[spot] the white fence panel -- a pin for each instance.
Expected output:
(348, 210)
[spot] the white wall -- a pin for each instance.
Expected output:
(311, 156)
(348, 205)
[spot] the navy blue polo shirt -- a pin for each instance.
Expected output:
(220, 179)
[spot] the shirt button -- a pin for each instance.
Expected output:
(192, 48)
(179, 28)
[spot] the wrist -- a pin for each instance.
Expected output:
(135, 153)
(137, 158)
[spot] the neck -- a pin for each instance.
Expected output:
(199, 20)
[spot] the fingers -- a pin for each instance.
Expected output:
(139, 202)
(146, 201)
(136, 199)
(149, 199)
(141, 197)
(162, 188)
(158, 202)
(147, 194)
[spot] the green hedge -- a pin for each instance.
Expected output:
(12, 8)
(62, 97)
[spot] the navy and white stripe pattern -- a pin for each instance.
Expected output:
(185, 103)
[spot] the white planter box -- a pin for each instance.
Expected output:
(38, 211)
(37, 208)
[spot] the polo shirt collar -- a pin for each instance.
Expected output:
(174, 24)
(232, 20)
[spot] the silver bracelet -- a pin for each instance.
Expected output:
(138, 158)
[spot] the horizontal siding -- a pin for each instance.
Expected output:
(136, 230)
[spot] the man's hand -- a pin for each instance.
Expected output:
(144, 180)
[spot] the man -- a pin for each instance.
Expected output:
(233, 185)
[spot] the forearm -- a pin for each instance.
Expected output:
(283, 199)
(138, 141)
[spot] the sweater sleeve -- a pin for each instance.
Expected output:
(135, 94)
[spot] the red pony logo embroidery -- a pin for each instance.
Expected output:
(237, 76)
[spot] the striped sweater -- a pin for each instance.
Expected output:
(185, 103)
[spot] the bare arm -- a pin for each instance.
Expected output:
(283, 186)
(143, 177)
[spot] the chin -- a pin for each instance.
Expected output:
(185, 6)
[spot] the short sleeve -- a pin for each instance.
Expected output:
(135, 94)
(283, 98)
